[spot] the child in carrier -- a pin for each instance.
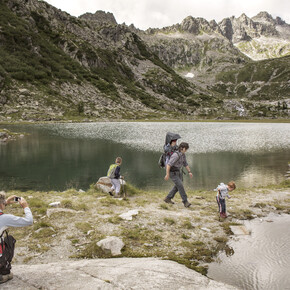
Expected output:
(170, 145)
(114, 175)
(223, 191)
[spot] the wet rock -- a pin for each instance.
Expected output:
(117, 273)
(239, 230)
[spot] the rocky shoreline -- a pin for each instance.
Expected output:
(6, 135)
(69, 225)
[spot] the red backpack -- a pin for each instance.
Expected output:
(7, 245)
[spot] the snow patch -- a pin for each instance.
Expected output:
(189, 75)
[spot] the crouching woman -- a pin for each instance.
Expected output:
(7, 243)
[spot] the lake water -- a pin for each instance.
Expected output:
(261, 261)
(59, 156)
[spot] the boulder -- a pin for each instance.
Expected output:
(107, 274)
(129, 215)
(104, 184)
(112, 244)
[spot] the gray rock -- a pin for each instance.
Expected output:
(112, 244)
(117, 273)
(129, 215)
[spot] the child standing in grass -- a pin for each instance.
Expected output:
(114, 175)
(223, 191)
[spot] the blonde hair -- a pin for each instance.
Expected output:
(118, 160)
(2, 197)
(232, 185)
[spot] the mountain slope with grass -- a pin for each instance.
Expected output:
(60, 66)
(57, 67)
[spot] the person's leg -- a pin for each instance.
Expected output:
(219, 204)
(174, 189)
(224, 208)
(117, 186)
(180, 187)
(112, 188)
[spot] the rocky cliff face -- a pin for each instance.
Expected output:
(260, 37)
(100, 17)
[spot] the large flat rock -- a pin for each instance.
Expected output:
(118, 273)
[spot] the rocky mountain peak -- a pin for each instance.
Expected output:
(264, 17)
(197, 25)
(100, 17)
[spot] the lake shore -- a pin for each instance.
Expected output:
(190, 236)
(84, 120)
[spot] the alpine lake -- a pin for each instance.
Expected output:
(65, 155)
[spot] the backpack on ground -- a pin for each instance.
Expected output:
(112, 170)
(7, 245)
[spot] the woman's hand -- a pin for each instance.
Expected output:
(10, 199)
(166, 177)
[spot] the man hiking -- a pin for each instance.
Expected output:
(173, 170)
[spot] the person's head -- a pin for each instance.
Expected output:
(173, 142)
(2, 199)
(118, 160)
(183, 147)
(231, 186)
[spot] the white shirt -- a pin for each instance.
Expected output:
(10, 220)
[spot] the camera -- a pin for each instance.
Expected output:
(16, 198)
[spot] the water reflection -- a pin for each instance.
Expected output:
(57, 156)
(260, 261)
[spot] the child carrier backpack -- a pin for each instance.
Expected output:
(7, 245)
(112, 170)
(164, 158)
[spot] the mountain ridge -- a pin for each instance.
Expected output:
(54, 66)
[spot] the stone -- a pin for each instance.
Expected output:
(104, 184)
(129, 215)
(113, 244)
(55, 204)
(107, 274)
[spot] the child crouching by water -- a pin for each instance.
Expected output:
(114, 175)
(223, 191)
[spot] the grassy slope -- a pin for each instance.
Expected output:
(28, 56)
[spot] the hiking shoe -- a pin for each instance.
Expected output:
(187, 204)
(111, 193)
(4, 278)
(168, 200)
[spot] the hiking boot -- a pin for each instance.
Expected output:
(187, 204)
(5, 278)
(111, 193)
(168, 200)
